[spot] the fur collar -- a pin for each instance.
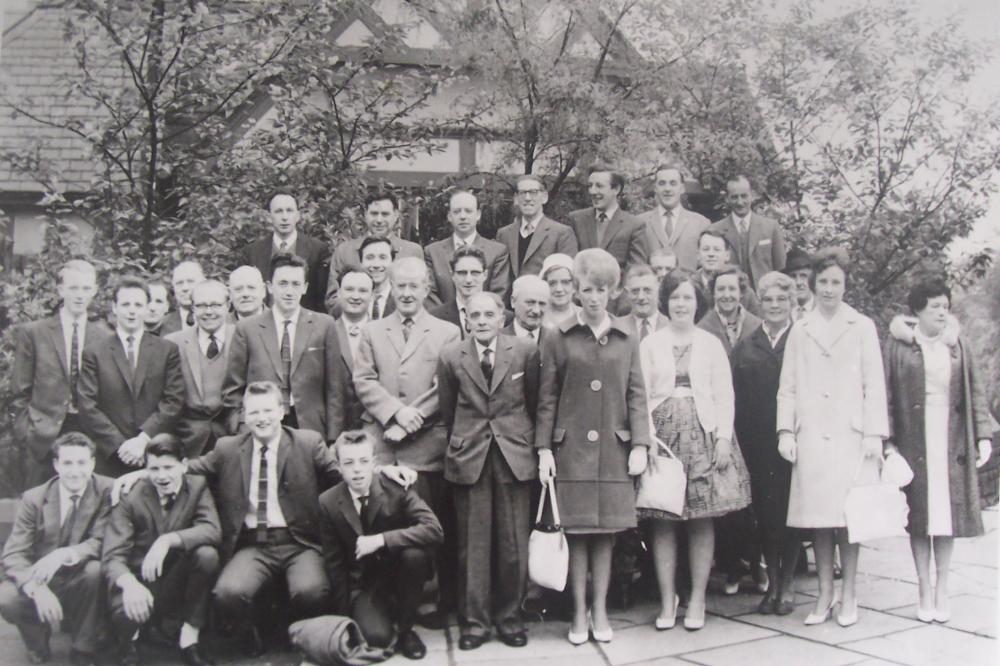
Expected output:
(902, 328)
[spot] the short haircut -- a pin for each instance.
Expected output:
(73, 439)
(529, 177)
(637, 270)
(205, 284)
(375, 240)
(715, 233)
(924, 289)
(404, 263)
(598, 266)
(617, 177)
(671, 282)
(157, 281)
(281, 193)
(247, 269)
(354, 438)
(467, 251)
(671, 165)
(827, 258)
(729, 269)
(382, 195)
(528, 282)
(77, 266)
(667, 252)
(775, 280)
(262, 388)
(493, 297)
(165, 444)
(362, 273)
(129, 282)
(455, 193)
(738, 178)
(284, 259)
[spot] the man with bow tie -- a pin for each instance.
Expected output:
(355, 297)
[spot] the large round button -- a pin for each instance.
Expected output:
(592, 435)
(595, 385)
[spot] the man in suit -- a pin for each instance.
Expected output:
(161, 553)
(355, 305)
(714, 255)
(799, 268)
(488, 386)
(394, 376)
(662, 262)
(670, 227)
(377, 255)
(642, 289)
(468, 275)
(757, 242)
(463, 214)
(530, 299)
(382, 221)
(376, 541)
(532, 236)
(293, 347)
(159, 305)
(131, 384)
(204, 352)
(183, 279)
(47, 360)
(604, 224)
(247, 292)
(286, 239)
(52, 558)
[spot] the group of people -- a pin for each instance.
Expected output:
(369, 428)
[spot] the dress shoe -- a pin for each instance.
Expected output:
(603, 635)
(694, 622)
(40, 656)
(471, 641)
(432, 620)
(130, 655)
(192, 656)
(410, 645)
(78, 658)
(782, 607)
(819, 618)
(943, 616)
(766, 606)
(663, 623)
(846, 618)
(578, 638)
(514, 639)
(731, 587)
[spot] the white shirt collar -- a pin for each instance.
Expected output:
(480, 348)
(652, 319)
(742, 221)
(522, 332)
(459, 242)
(279, 319)
(676, 212)
(68, 320)
(290, 240)
(774, 339)
(610, 212)
(357, 497)
(65, 503)
(272, 447)
(137, 337)
(532, 224)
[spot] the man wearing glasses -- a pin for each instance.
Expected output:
(204, 351)
(532, 236)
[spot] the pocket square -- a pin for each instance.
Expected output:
(766, 241)
(516, 376)
(309, 349)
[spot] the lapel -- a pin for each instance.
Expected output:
(470, 361)
(86, 507)
(246, 459)
(376, 497)
(421, 326)
(303, 331)
(501, 364)
(589, 229)
(728, 227)
(543, 229)
(284, 449)
(193, 353)
(269, 336)
(814, 323)
(118, 354)
(152, 502)
(51, 513)
(680, 219)
(755, 233)
(55, 332)
(142, 363)
(390, 306)
(614, 225)
(177, 510)
(346, 506)
(655, 221)
(345, 344)
(394, 331)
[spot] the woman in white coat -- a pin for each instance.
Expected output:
(832, 417)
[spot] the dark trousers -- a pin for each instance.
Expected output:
(396, 591)
(432, 488)
(254, 566)
(492, 518)
(80, 590)
(736, 540)
(182, 591)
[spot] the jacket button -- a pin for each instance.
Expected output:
(826, 437)
(592, 435)
(826, 395)
(595, 385)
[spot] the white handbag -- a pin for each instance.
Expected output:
(548, 552)
(896, 470)
(876, 511)
(663, 486)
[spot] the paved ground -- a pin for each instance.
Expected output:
(887, 632)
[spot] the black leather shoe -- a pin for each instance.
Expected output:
(471, 641)
(515, 639)
(410, 645)
(192, 656)
(39, 656)
(130, 655)
(432, 620)
(78, 658)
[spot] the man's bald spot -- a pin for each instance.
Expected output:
(247, 272)
(188, 265)
(485, 296)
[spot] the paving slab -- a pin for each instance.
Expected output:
(931, 646)
(776, 650)
(643, 643)
(870, 624)
(885, 593)
(977, 615)
(546, 641)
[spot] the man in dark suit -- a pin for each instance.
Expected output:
(52, 559)
(714, 255)
(131, 384)
(607, 226)
(376, 541)
(355, 304)
(161, 552)
(204, 351)
(286, 239)
(377, 255)
(671, 228)
(488, 386)
(468, 275)
(757, 242)
(529, 298)
(463, 214)
(382, 221)
(293, 347)
(183, 279)
(159, 305)
(47, 359)
(247, 292)
(533, 236)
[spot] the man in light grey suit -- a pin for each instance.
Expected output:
(532, 236)
(671, 228)
(757, 242)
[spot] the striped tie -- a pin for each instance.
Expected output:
(262, 495)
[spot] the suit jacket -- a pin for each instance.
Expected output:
(629, 323)
(477, 414)
(766, 245)
(37, 527)
(345, 258)
(41, 383)
(509, 330)
(171, 323)
(353, 409)
(139, 520)
(438, 255)
(549, 237)
(625, 238)
(116, 405)
(202, 415)
(449, 312)
(713, 323)
(306, 467)
(683, 240)
(315, 252)
(317, 384)
(390, 373)
(393, 511)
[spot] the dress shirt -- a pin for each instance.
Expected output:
(528, 226)
(652, 319)
(220, 339)
(610, 212)
(274, 516)
(66, 503)
(354, 333)
(800, 311)
(279, 325)
(289, 242)
(460, 243)
(481, 348)
(356, 498)
(773, 339)
(672, 215)
(742, 223)
(81, 331)
(164, 494)
(137, 338)
(461, 314)
(601, 329)
(183, 313)
(522, 332)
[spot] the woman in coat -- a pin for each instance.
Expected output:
(831, 421)
(940, 425)
(727, 319)
(592, 432)
(689, 391)
(756, 362)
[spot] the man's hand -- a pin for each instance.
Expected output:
(638, 458)
(152, 564)
(368, 545)
(123, 484)
(723, 454)
(133, 451)
(788, 447)
(47, 606)
(44, 569)
(394, 433)
(138, 600)
(410, 419)
(404, 476)
(985, 447)
(546, 466)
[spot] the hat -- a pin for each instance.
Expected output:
(556, 260)
(796, 260)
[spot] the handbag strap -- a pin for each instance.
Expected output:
(555, 505)
(861, 462)
(663, 447)
(541, 505)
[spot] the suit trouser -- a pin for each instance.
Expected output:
(182, 591)
(432, 488)
(492, 516)
(80, 591)
(395, 595)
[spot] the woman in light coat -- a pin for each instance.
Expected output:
(831, 421)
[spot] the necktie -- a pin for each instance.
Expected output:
(262, 495)
(130, 351)
(375, 308)
(464, 321)
(213, 347)
(602, 221)
(644, 329)
(531, 335)
(66, 531)
(354, 331)
(487, 365)
(668, 223)
(189, 318)
(407, 326)
(283, 246)
(286, 364)
(168, 502)
(74, 361)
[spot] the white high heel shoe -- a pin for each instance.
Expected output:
(819, 618)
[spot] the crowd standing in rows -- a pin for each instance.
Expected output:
(369, 428)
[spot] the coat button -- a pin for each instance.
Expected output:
(592, 435)
(603, 341)
(595, 385)
(826, 437)
(826, 395)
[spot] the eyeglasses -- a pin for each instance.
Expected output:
(530, 193)
(209, 306)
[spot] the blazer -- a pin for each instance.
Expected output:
(449, 312)
(318, 382)
(390, 373)
(41, 383)
(353, 409)
(202, 415)
(36, 529)
(713, 323)
(683, 240)
(438, 255)
(711, 378)
(116, 405)
(549, 237)
(306, 467)
(345, 258)
(393, 511)
(508, 329)
(315, 252)
(630, 325)
(625, 238)
(766, 244)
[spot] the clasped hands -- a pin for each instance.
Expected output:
(408, 421)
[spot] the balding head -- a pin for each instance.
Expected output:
(530, 298)
(247, 291)
(183, 279)
(210, 303)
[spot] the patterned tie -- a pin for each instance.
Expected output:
(375, 308)
(189, 318)
(602, 221)
(286, 365)
(354, 331)
(262, 495)
(363, 512)
(531, 335)
(213, 347)
(464, 321)
(74, 361)
(66, 532)
(130, 351)
(407, 326)
(644, 330)
(487, 365)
